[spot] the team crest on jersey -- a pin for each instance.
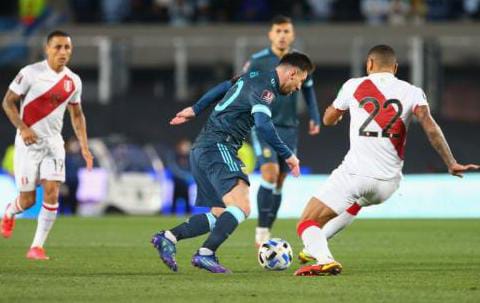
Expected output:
(268, 96)
(68, 85)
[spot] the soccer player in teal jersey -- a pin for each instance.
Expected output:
(221, 183)
(285, 119)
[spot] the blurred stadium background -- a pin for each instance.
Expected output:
(143, 60)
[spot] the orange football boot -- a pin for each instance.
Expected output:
(37, 253)
(329, 269)
(7, 225)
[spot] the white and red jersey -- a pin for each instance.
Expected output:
(46, 95)
(381, 107)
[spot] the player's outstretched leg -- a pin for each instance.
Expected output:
(315, 215)
(227, 222)
(341, 221)
(165, 241)
(333, 227)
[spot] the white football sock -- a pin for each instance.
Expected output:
(315, 242)
(205, 251)
(262, 234)
(14, 208)
(341, 221)
(46, 218)
(170, 236)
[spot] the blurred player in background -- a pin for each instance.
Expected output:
(44, 89)
(284, 117)
(221, 183)
(381, 107)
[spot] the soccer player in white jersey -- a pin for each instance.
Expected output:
(45, 90)
(381, 107)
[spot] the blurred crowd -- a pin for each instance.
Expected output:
(185, 12)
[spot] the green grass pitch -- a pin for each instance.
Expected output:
(111, 260)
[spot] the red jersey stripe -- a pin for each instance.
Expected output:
(43, 105)
(368, 89)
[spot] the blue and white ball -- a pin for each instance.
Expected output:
(275, 254)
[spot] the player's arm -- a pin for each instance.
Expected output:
(213, 95)
(80, 128)
(311, 100)
(264, 126)
(334, 113)
(332, 116)
(439, 143)
(9, 105)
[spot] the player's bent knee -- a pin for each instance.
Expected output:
(270, 178)
(246, 210)
(244, 206)
(217, 211)
(270, 172)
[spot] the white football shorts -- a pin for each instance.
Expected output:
(44, 160)
(342, 189)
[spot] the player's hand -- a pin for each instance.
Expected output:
(28, 136)
(183, 116)
(88, 157)
(294, 165)
(313, 128)
(457, 169)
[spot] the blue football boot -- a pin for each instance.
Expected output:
(166, 249)
(209, 263)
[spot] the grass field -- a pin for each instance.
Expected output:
(110, 260)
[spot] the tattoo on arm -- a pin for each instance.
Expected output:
(435, 135)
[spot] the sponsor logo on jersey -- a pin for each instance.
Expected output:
(268, 96)
(68, 85)
(55, 99)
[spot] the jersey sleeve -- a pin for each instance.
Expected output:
(261, 103)
(342, 101)
(308, 82)
(22, 82)
(77, 96)
(418, 98)
(213, 95)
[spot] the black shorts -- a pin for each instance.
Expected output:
(216, 170)
(266, 154)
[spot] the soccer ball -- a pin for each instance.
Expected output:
(275, 254)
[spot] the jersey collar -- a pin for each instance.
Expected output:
(275, 82)
(50, 70)
(381, 75)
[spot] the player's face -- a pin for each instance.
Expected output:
(59, 51)
(281, 36)
(294, 81)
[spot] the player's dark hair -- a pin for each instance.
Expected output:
(281, 19)
(56, 33)
(299, 60)
(384, 54)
